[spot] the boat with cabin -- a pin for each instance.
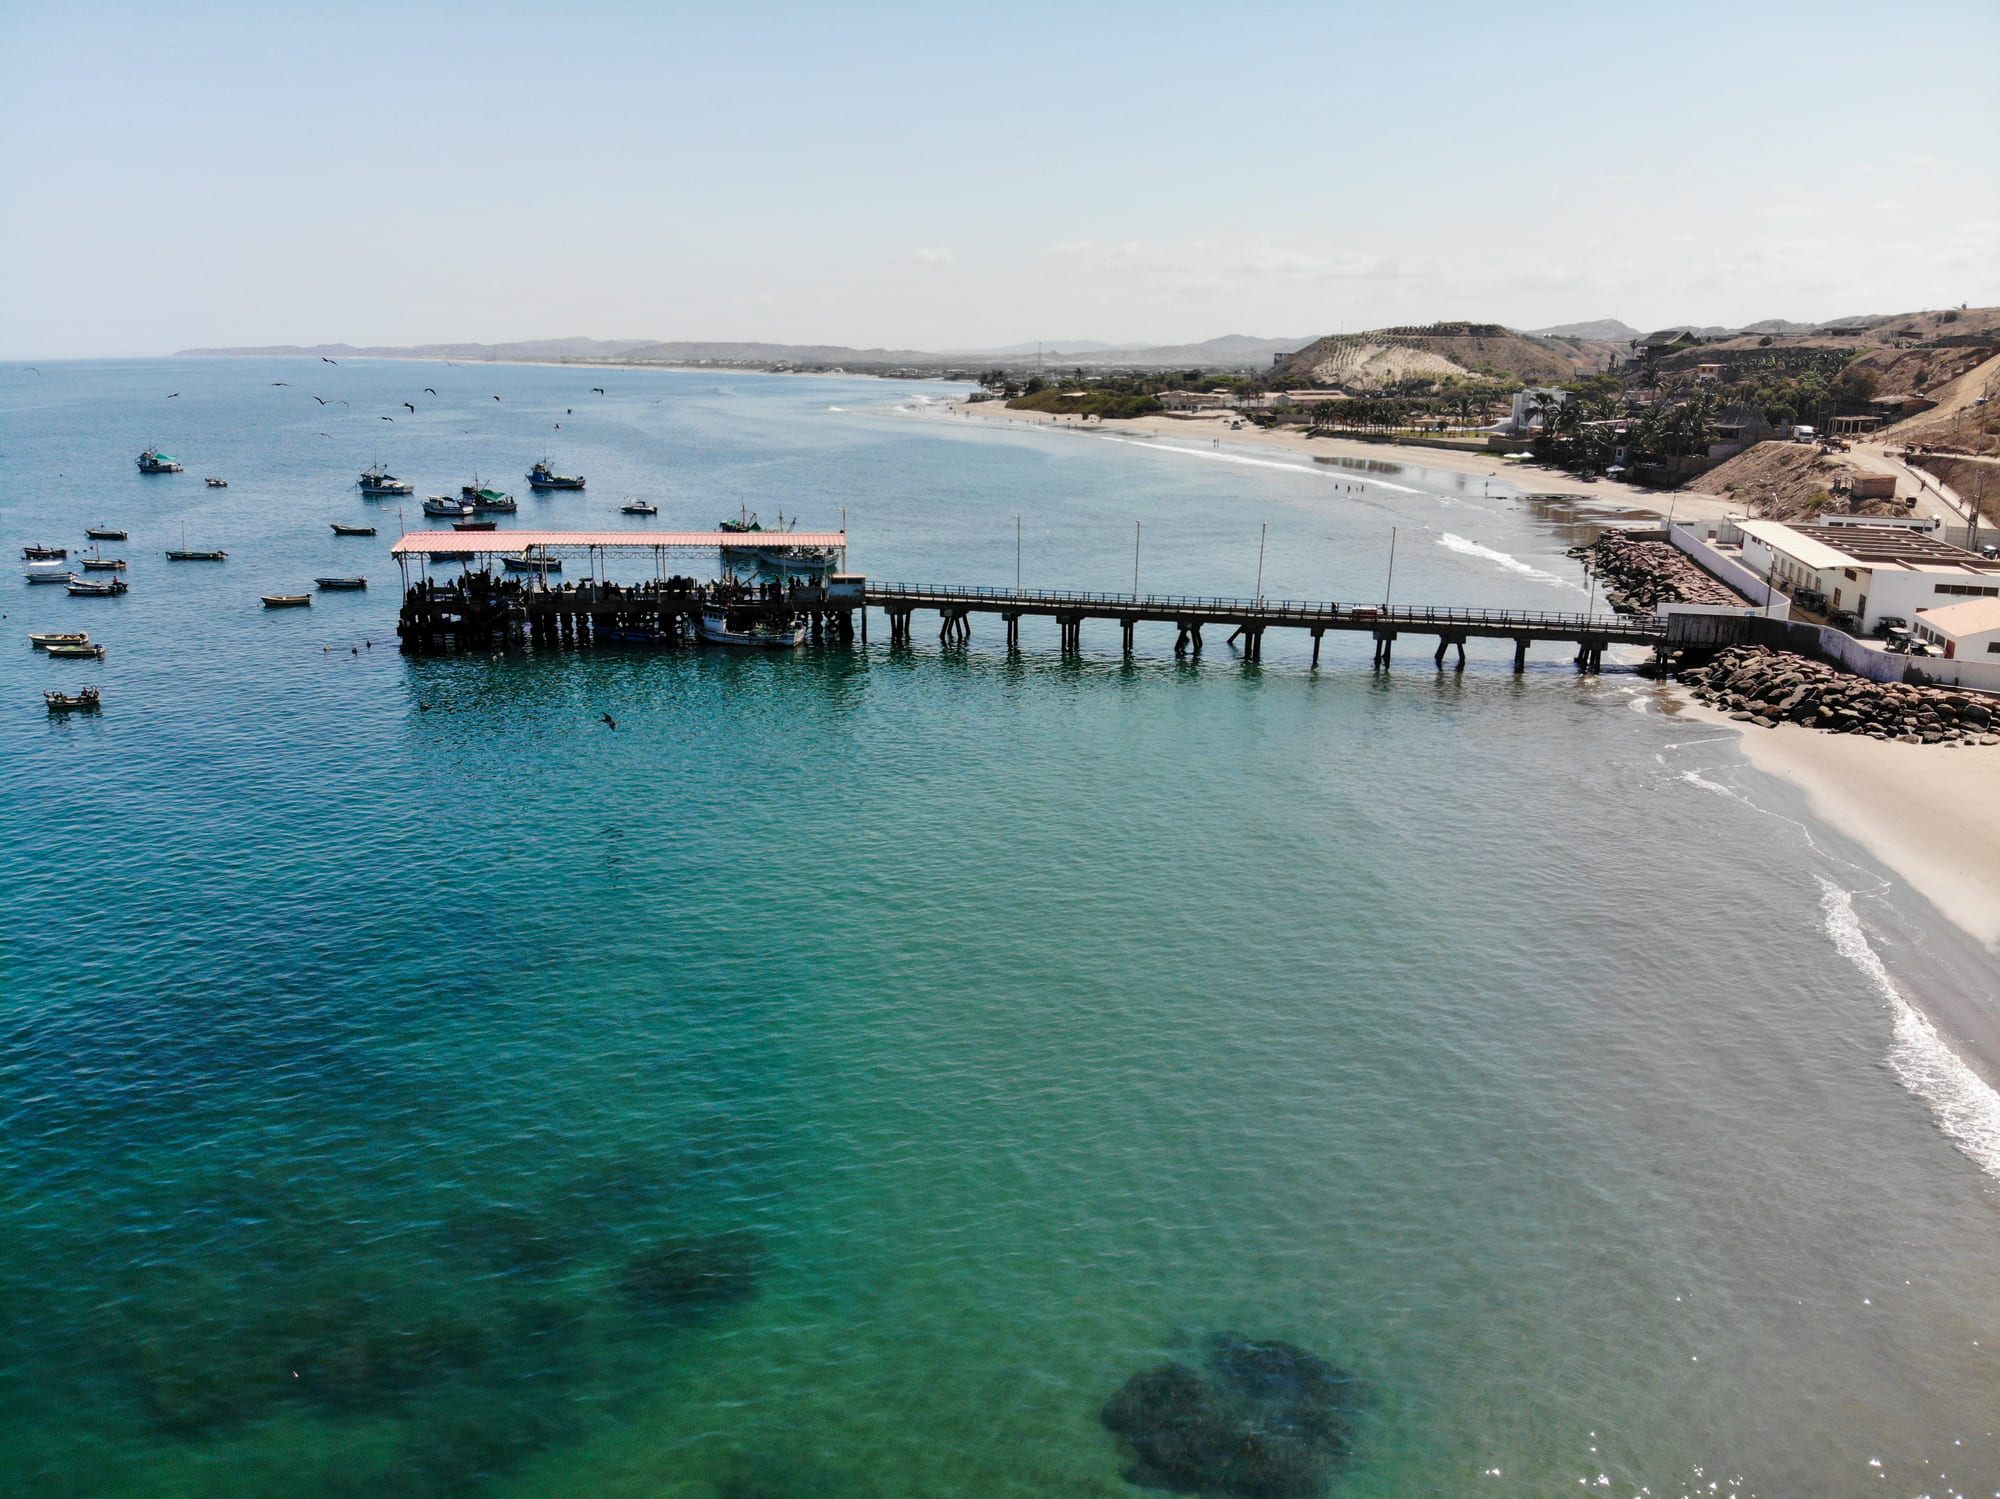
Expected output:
(541, 476)
(774, 556)
(721, 625)
(337, 585)
(196, 554)
(43, 554)
(83, 588)
(438, 557)
(104, 533)
(77, 651)
(493, 499)
(103, 564)
(635, 506)
(438, 504)
(377, 480)
(216, 483)
(287, 600)
(86, 701)
(475, 525)
(153, 461)
(532, 561)
(60, 637)
(340, 530)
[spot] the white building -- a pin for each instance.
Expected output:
(1871, 571)
(1970, 630)
(1519, 418)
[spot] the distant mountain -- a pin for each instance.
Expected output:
(1046, 346)
(1604, 328)
(540, 348)
(1367, 361)
(755, 353)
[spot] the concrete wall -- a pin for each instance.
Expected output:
(1829, 644)
(1728, 569)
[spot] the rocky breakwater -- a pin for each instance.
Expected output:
(1639, 576)
(1764, 687)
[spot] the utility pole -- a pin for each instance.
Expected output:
(1389, 588)
(1261, 529)
(1138, 530)
(1017, 554)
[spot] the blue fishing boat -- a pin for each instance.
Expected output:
(541, 476)
(153, 461)
(379, 481)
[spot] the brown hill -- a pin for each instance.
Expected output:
(1365, 361)
(1787, 481)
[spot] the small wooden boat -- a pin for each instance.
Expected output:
(335, 585)
(638, 507)
(475, 525)
(730, 627)
(66, 637)
(532, 562)
(216, 483)
(340, 530)
(379, 481)
(437, 557)
(77, 652)
(492, 499)
(43, 554)
(85, 701)
(47, 572)
(187, 555)
(437, 504)
(104, 533)
(83, 588)
(287, 600)
(104, 564)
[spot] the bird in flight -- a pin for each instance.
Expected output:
(322, 434)
(610, 720)
(428, 391)
(496, 398)
(175, 396)
(33, 371)
(320, 399)
(406, 403)
(325, 360)
(388, 418)
(598, 388)
(276, 383)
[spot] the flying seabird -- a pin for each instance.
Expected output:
(175, 396)
(428, 391)
(33, 371)
(320, 399)
(280, 382)
(388, 418)
(610, 720)
(406, 403)
(598, 389)
(496, 398)
(325, 360)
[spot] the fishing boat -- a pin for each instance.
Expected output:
(153, 461)
(216, 483)
(438, 504)
(475, 525)
(379, 481)
(334, 585)
(64, 637)
(81, 588)
(43, 554)
(287, 600)
(104, 564)
(532, 561)
(76, 651)
(492, 499)
(48, 572)
(340, 530)
(196, 554)
(724, 626)
(437, 557)
(541, 476)
(85, 701)
(775, 556)
(635, 506)
(104, 533)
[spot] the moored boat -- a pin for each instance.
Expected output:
(48, 572)
(541, 476)
(533, 562)
(86, 701)
(216, 483)
(438, 504)
(437, 557)
(723, 626)
(379, 481)
(62, 637)
(153, 461)
(196, 554)
(77, 651)
(475, 525)
(340, 530)
(635, 506)
(493, 499)
(43, 554)
(81, 588)
(104, 533)
(333, 585)
(287, 600)
(104, 564)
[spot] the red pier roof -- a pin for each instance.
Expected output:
(493, 543)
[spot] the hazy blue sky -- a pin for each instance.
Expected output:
(950, 175)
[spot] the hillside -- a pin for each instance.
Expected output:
(1371, 360)
(1786, 481)
(1603, 330)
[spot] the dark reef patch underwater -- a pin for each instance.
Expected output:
(1259, 1420)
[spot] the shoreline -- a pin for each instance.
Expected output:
(1604, 494)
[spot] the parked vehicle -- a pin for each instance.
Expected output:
(1892, 624)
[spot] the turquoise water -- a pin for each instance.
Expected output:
(844, 1076)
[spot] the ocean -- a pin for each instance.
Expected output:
(848, 1075)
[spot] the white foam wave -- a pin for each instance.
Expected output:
(1513, 564)
(1966, 1109)
(1216, 455)
(1696, 778)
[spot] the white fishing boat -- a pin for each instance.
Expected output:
(532, 562)
(721, 625)
(48, 572)
(438, 504)
(635, 506)
(64, 637)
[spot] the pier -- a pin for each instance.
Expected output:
(484, 608)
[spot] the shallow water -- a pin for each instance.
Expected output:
(844, 1076)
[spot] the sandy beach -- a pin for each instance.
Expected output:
(1604, 494)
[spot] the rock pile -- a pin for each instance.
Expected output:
(1260, 1420)
(1639, 576)
(1757, 685)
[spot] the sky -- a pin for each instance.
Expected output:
(955, 176)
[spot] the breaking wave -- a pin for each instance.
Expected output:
(1966, 1109)
(1513, 564)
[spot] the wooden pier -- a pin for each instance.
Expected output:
(482, 609)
